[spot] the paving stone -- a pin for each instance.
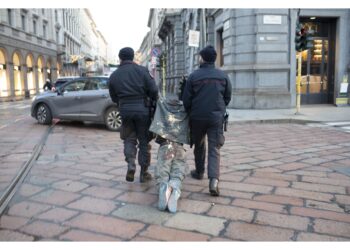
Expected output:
(12, 222)
(330, 215)
(55, 197)
(298, 193)
(79, 235)
(69, 185)
(102, 192)
(282, 220)
(193, 206)
(43, 229)
(258, 205)
(27, 209)
(57, 214)
(198, 223)
(93, 205)
(145, 214)
(252, 232)
(246, 187)
(138, 197)
(106, 225)
(323, 205)
(98, 175)
(332, 228)
(266, 181)
(318, 237)
(167, 234)
(6, 235)
(279, 199)
(29, 189)
(232, 213)
(319, 187)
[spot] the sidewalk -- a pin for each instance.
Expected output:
(319, 113)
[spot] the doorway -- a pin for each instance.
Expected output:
(317, 73)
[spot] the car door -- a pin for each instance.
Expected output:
(67, 103)
(94, 99)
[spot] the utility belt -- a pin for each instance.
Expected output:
(131, 99)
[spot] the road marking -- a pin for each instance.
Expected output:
(3, 126)
(344, 126)
(336, 124)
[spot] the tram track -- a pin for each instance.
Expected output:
(21, 175)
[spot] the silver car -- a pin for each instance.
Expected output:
(81, 99)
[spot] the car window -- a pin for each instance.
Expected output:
(103, 83)
(91, 84)
(74, 86)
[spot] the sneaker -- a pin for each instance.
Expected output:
(196, 175)
(172, 204)
(163, 195)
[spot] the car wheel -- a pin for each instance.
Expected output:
(43, 114)
(113, 119)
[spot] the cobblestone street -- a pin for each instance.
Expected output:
(279, 182)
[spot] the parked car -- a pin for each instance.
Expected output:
(80, 99)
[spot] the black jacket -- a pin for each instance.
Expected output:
(207, 93)
(129, 86)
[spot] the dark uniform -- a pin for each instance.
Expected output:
(131, 87)
(206, 95)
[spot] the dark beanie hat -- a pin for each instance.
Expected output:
(208, 54)
(126, 53)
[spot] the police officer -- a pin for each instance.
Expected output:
(206, 95)
(132, 87)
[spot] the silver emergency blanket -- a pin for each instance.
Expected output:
(171, 121)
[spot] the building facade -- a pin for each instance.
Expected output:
(256, 49)
(40, 44)
(28, 51)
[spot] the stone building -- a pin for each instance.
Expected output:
(256, 49)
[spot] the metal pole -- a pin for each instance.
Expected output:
(163, 74)
(298, 83)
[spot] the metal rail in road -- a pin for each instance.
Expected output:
(17, 181)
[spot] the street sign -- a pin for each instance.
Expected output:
(155, 52)
(193, 38)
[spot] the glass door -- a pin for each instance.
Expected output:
(314, 80)
(317, 74)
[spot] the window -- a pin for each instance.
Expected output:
(34, 27)
(43, 11)
(92, 85)
(9, 16)
(103, 83)
(44, 31)
(56, 16)
(57, 37)
(220, 47)
(23, 19)
(74, 86)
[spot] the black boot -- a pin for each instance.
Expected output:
(145, 175)
(214, 187)
(131, 172)
(196, 175)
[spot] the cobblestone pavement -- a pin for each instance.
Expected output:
(279, 182)
(19, 134)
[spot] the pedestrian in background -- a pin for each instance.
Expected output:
(171, 126)
(47, 86)
(206, 95)
(133, 89)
